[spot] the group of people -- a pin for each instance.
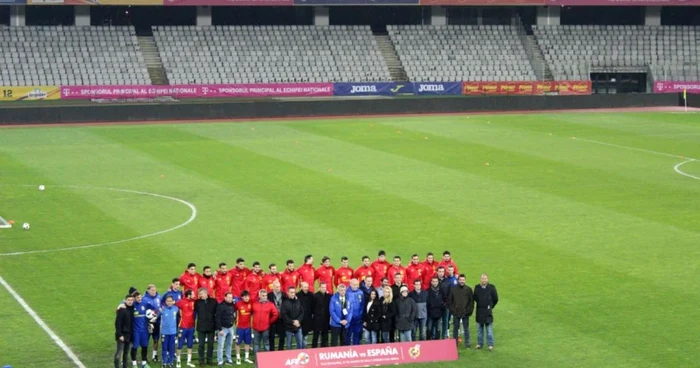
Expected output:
(379, 302)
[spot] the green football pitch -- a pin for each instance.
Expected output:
(588, 223)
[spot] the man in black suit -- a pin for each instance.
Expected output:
(277, 328)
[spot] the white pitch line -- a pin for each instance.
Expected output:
(42, 324)
(188, 204)
(678, 170)
(635, 149)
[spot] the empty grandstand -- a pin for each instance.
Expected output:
(464, 52)
(268, 54)
(573, 51)
(57, 55)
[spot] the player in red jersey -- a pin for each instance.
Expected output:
(324, 274)
(364, 271)
(380, 268)
(238, 276)
(395, 268)
(190, 278)
(244, 333)
(415, 271)
(343, 274)
(447, 261)
(186, 330)
(270, 278)
(223, 283)
(430, 270)
(290, 277)
(208, 281)
(307, 273)
(254, 281)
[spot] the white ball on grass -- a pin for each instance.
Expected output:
(41, 187)
(25, 226)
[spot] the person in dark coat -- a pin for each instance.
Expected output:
(460, 301)
(277, 328)
(292, 314)
(307, 302)
(486, 298)
(436, 309)
(388, 314)
(406, 311)
(205, 310)
(322, 316)
(419, 296)
(372, 315)
(123, 332)
(445, 285)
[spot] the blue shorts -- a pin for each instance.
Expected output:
(156, 331)
(186, 334)
(141, 339)
(245, 336)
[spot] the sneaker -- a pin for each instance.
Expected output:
(478, 347)
(247, 360)
(238, 361)
(189, 364)
(229, 363)
(490, 347)
(178, 364)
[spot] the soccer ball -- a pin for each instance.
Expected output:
(41, 187)
(25, 226)
(151, 316)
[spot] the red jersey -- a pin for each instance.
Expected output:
(380, 269)
(392, 271)
(253, 283)
(186, 307)
(451, 262)
(289, 279)
(307, 274)
(430, 271)
(245, 314)
(269, 279)
(325, 274)
(238, 276)
(190, 282)
(265, 315)
(208, 283)
(223, 285)
(415, 272)
(362, 272)
(343, 275)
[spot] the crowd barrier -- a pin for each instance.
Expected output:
(362, 355)
(676, 87)
(296, 90)
(360, 2)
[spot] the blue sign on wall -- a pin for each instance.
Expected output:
(437, 88)
(372, 89)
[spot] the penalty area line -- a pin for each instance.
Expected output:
(57, 340)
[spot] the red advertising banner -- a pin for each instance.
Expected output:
(228, 2)
(676, 87)
(362, 355)
(623, 2)
(527, 88)
(484, 2)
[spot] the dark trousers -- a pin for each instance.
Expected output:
(121, 357)
(144, 353)
(277, 330)
(209, 338)
(338, 335)
(324, 339)
(354, 333)
(434, 328)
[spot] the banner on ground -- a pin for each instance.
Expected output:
(30, 93)
(13, 2)
(356, 2)
(94, 2)
(372, 89)
(676, 87)
(362, 355)
(437, 88)
(227, 2)
(623, 2)
(527, 88)
(198, 91)
(483, 2)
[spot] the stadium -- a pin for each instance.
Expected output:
(549, 146)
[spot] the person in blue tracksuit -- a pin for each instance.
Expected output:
(154, 299)
(357, 299)
(174, 291)
(140, 329)
(168, 330)
(341, 315)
